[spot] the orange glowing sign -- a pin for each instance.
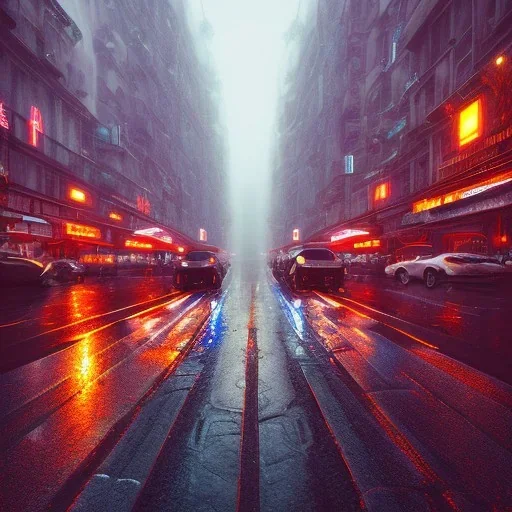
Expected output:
(75, 194)
(82, 231)
(98, 259)
(463, 193)
(135, 244)
(367, 244)
(470, 123)
(35, 125)
(381, 191)
(115, 216)
(296, 235)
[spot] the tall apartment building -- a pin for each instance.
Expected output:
(107, 120)
(414, 117)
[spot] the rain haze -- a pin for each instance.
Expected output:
(250, 56)
(255, 255)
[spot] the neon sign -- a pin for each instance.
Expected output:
(348, 233)
(4, 122)
(137, 245)
(82, 231)
(463, 193)
(381, 191)
(35, 126)
(75, 194)
(366, 244)
(115, 216)
(470, 123)
(143, 205)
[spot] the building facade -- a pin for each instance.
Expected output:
(420, 120)
(107, 124)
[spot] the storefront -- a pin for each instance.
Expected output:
(25, 236)
(476, 218)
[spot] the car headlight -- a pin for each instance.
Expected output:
(184, 264)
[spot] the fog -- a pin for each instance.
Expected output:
(250, 55)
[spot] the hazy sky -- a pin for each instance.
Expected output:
(249, 50)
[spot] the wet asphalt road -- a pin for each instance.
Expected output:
(251, 399)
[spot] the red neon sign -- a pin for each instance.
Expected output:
(4, 122)
(143, 205)
(35, 126)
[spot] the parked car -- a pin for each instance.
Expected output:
(63, 271)
(15, 270)
(199, 269)
(448, 266)
(309, 268)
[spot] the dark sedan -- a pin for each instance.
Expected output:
(199, 269)
(313, 268)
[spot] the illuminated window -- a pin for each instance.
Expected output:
(75, 194)
(296, 235)
(35, 126)
(470, 123)
(115, 216)
(381, 191)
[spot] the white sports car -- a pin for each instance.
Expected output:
(448, 266)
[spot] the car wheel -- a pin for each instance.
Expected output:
(403, 276)
(431, 278)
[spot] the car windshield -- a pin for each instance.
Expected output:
(318, 255)
(199, 256)
(470, 259)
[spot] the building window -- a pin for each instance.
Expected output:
(349, 164)
(381, 192)
(470, 123)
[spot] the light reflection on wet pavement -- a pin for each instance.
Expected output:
(344, 409)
